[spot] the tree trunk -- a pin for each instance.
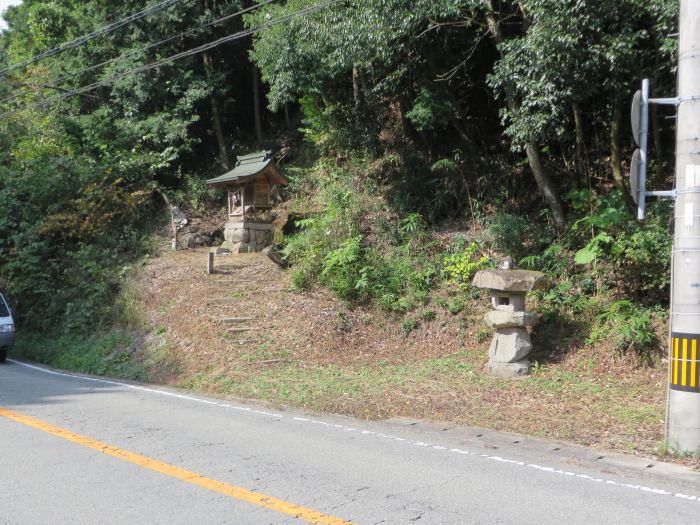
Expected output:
(356, 90)
(256, 104)
(523, 15)
(581, 160)
(287, 118)
(461, 132)
(216, 115)
(545, 184)
(616, 155)
(172, 216)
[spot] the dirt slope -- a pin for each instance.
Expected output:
(243, 331)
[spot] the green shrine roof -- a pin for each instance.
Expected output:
(248, 167)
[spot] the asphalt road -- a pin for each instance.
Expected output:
(81, 450)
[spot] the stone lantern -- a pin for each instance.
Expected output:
(511, 343)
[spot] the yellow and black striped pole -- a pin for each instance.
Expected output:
(684, 372)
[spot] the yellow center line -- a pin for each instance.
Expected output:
(239, 493)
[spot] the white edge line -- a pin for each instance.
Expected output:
(534, 466)
(146, 389)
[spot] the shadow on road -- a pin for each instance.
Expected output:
(23, 386)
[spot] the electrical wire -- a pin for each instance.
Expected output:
(90, 36)
(177, 56)
(53, 83)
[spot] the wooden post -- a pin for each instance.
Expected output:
(210, 263)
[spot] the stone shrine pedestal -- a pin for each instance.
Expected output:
(511, 343)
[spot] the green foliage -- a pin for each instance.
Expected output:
(408, 326)
(642, 258)
(588, 254)
(483, 335)
(573, 296)
(637, 255)
(429, 111)
(411, 224)
(108, 353)
(380, 262)
(576, 52)
(553, 260)
(195, 193)
(76, 179)
(428, 315)
(630, 326)
(456, 305)
(461, 267)
(507, 233)
(344, 270)
(70, 232)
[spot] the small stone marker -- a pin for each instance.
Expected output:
(210, 263)
(511, 343)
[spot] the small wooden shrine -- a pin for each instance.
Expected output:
(249, 186)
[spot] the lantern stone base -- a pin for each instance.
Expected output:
(519, 369)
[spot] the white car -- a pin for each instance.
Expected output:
(7, 329)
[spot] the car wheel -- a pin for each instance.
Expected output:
(3, 354)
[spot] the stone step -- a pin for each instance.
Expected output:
(223, 279)
(237, 319)
(239, 329)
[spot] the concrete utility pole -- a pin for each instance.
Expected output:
(684, 375)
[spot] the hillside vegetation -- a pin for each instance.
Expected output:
(423, 140)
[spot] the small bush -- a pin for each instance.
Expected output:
(456, 305)
(461, 267)
(408, 326)
(483, 334)
(129, 310)
(507, 234)
(630, 326)
(300, 280)
(642, 260)
(345, 272)
(428, 315)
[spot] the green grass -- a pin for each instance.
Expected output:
(108, 353)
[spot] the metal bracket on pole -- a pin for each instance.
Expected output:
(665, 101)
(640, 130)
(671, 194)
(675, 101)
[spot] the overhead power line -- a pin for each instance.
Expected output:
(172, 58)
(90, 36)
(123, 56)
